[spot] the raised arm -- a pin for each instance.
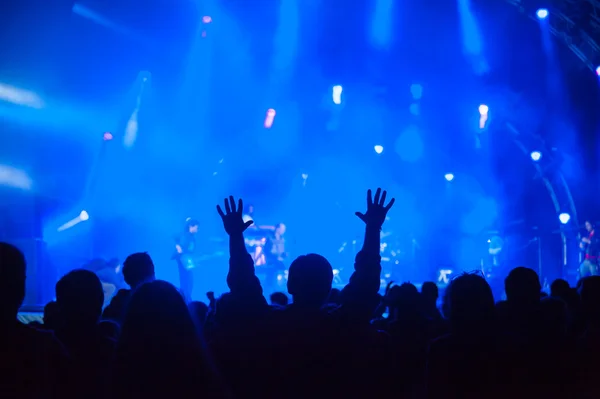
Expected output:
(241, 279)
(360, 295)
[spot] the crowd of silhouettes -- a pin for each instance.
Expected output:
(324, 343)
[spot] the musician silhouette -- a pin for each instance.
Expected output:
(185, 251)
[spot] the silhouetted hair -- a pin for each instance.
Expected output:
(522, 285)
(559, 288)
(51, 315)
(469, 302)
(12, 280)
(137, 269)
(279, 298)
(80, 296)
(430, 291)
(309, 279)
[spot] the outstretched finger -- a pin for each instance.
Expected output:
(382, 200)
(369, 197)
(232, 202)
(248, 224)
(240, 206)
(227, 207)
(361, 216)
(220, 211)
(377, 195)
(387, 208)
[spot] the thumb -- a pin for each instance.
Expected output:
(248, 224)
(360, 215)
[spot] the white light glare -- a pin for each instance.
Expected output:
(449, 176)
(20, 97)
(483, 109)
(542, 13)
(564, 218)
(269, 118)
(598, 70)
(379, 149)
(336, 94)
(83, 216)
(536, 155)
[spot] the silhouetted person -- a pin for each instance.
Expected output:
(430, 294)
(521, 314)
(310, 346)
(160, 353)
(279, 299)
(51, 316)
(472, 361)
(32, 363)
(137, 269)
(80, 297)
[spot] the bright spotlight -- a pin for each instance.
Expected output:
(483, 109)
(336, 94)
(449, 176)
(417, 91)
(107, 136)
(206, 19)
(564, 218)
(269, 118)
(598, 70)
(536, 155)
(542, 13)
(83, 216)
(379, 149)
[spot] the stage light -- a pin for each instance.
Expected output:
(483, 109)
(206, 19)
(542, 13)
(449, 176)
(83, 216)
(20, 97)
(107, 136)
(598, 70)
(337, 94)
(379, 149)
(536, 155)
(564, 218)
(417, 91)
(269, 118)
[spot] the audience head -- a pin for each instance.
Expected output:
(157, 315)
(80, 297)
(430, 292)
(138, 268)
(51, 315)
(309, 280)
(279, 299)
(405, 300)
(522, 286)
(469, 302)
(12, 281)
(559, 288)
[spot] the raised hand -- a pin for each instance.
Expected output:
(376, 209)
(232, 217)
